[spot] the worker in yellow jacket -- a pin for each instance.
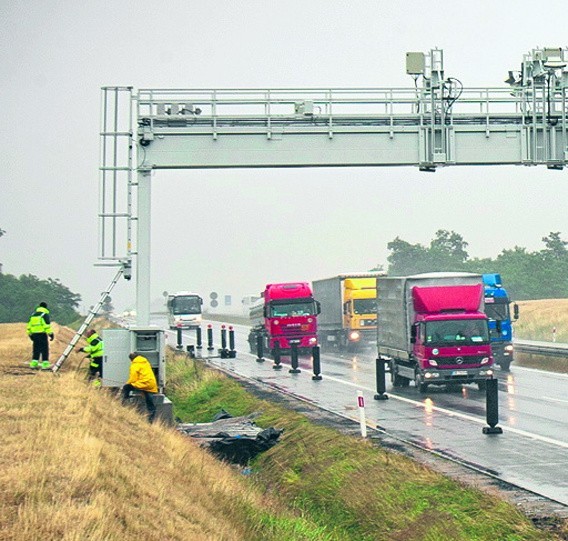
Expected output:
(141, 379)
(39, 328)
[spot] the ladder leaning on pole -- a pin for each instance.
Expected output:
(124, 268)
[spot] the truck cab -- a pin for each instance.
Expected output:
(285, 315)
(497, 309)
(359, 311)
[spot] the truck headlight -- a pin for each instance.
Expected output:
(313, 340)
(509, 347)
(432, 362)
(362, 323)
(485, 360)
(354, 335)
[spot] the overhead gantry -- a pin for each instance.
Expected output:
(437, 123)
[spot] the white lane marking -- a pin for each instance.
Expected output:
(541, 372)
(454, 413)
(554, 399)
(451, 413)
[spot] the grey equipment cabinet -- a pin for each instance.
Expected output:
(119, 343)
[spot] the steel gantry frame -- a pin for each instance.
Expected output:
(436, 123)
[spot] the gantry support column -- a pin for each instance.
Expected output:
(143, 247)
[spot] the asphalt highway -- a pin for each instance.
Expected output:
(532, 452)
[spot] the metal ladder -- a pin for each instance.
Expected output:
(124, 269)
(115, 172)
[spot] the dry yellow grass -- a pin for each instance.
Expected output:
(538, 318)
(76, 465)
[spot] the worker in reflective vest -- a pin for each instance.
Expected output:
(39, 328)
(95, 352)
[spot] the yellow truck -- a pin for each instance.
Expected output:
(348, 319)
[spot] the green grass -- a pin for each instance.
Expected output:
(343, 487)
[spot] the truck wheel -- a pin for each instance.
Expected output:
(398, 381)
(482, 385)
(505, 365)
(252, 343)
(422, 387)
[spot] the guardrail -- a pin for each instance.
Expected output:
(551, 349)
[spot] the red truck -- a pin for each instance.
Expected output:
(286, 314)
(433, 329)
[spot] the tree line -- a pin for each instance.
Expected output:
(540, 274)
(19, 297)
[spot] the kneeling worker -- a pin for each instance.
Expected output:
(95, 352)
(142, 379)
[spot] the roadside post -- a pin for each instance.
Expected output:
(179, 337)
(294, 360)
(276, 355)
(199, 345)
(316, 363)
(224, 352)
(259, 349)
(362, 419)
(380, 375)
(492, 408)
(232, 351)
(209, 338)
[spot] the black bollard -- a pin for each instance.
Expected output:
(294, 359)
(179, 338)
(492, 407)
(223, 337)
(316, 363)
(380, 375)
(191, 351)
(209, 338)
(232, 351)
(198, 337)
(276, 355)
(223, 352)
(259, 349)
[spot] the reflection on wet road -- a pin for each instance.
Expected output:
(533, 406)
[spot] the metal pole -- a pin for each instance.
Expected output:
(380, 375)
(492, 407)
(276, 355)
(294, 359)
(143, 248)
(316, 363)
(259, 349)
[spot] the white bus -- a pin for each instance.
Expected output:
(184, 310)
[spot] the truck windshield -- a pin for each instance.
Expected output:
(365, 306)
(186, 305)
(498, 312)
(292, 309)
(471, 331)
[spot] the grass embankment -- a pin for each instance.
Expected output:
(76, 465)
(352, 489)
(536, 321)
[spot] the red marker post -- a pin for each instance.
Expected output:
(362, 420)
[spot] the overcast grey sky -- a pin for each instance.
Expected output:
(232, 231)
